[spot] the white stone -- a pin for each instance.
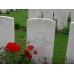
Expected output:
(3, 10)
(6, 30)
(72, 15)
(34, 13)
(41, 33)
(14, 9)
(41, 13)
(70, 47)
(48, 13)
(61, 15)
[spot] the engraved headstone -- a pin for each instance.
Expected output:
(6, 30)
(41, 33)
(70, 47)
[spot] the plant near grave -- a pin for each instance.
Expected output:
(0, 12)
(7, 12)
(11, 10)
(17, 26)
(14, 55)
(65, 31)
(26, 57)
(1, 55)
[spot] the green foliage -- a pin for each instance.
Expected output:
(24, 60)
(2, 55)
(60, 47)
(23, 28)
(17, 26)
(1, 47)
(7, 12)
(69, 19)
(0, 12)
(16, 58)
(65, 31)
(17, 10)
(11, 10)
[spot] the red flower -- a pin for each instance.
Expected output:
(12, 46)
(35, 52)
(30, 56)
(30, 47)
(26, 52)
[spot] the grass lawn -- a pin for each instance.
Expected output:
(60, 47)
(60, 44)
(20, 16)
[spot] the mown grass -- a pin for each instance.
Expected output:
(20, 16)
(60, 47)
(20, 38)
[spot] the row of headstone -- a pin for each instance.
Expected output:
(61, 15)
(5, 10)
(41, 34)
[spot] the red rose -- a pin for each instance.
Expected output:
(13, 46)
(8, 45)
(26, 52)
(30, 56)
(35, 52)
(30, 47)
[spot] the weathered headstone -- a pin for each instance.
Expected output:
(6, 30)
(41, 33)
(41, 13)
(61, 15)
(70, 47)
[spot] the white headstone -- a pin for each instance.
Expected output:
(70, 47)
(34, 13)
(6, 30)
(3, 10)
(48, 13)
(14, 9)
(61, 15)
(41, 33)
(41, 13)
